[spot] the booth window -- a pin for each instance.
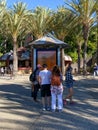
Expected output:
(48, 57)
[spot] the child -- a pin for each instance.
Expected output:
(56, 89)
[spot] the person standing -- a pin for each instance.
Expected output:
(2, 71)
(56, 89)
(11, 70)
(95, 70)
(35, 83)
(69, 83)
(44, 80)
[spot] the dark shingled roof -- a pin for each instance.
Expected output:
(48, 41)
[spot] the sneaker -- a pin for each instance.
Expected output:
(59, 110)
(44, 109)
(48, 108)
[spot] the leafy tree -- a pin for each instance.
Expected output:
(62, 25)
(97, 29)
(92, 42)
(16, 22)
(78, 39)
(2, 13)
(84, 9)
(39, 22)
(62, 22)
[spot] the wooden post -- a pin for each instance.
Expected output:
(63, 65)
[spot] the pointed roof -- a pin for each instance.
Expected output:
(48, 41)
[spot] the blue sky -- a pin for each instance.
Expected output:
(31, 4)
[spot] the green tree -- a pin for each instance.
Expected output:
(78, 39)
(84, 10)
(39, 23)
(97, 30)
(62, 25)
(16, 23)
(62, 22)
(2, 13)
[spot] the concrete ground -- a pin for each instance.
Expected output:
(18, 111)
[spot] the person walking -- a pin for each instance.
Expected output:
(35, 83)
(44, 80)
(56, 89)
(69, 83)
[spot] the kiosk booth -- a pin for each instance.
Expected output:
(48, 50)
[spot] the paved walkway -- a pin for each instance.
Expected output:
(19, 112)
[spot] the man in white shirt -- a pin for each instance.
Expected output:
(44, 80)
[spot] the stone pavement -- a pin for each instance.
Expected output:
(19, 112)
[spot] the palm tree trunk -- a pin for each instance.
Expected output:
(63, 65)
(85, 36)
(15, 58)
(79, 58)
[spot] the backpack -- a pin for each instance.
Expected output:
(55, 80)
(32, 77)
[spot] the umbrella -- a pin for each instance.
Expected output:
(67, 58)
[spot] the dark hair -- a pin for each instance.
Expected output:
(44, 65)
(69, 68)
(56, 70)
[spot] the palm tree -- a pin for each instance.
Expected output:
(62, 25)
(2, 8)
(2, 13)
(84, 10)
(16, 23)
(97, 30)
(39, 23)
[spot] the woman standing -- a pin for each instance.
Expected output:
(69, 83)
(35, 83)
(56, 89)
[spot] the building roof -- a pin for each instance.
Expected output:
(25, 55)
(6, 56)
(48, 41)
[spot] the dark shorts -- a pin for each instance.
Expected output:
(45, 90)
(69, 85)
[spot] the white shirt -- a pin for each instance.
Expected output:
(45, 76)
(2, 70)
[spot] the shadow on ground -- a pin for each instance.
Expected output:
(16, 102)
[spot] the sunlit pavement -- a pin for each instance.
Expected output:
(18, 111)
